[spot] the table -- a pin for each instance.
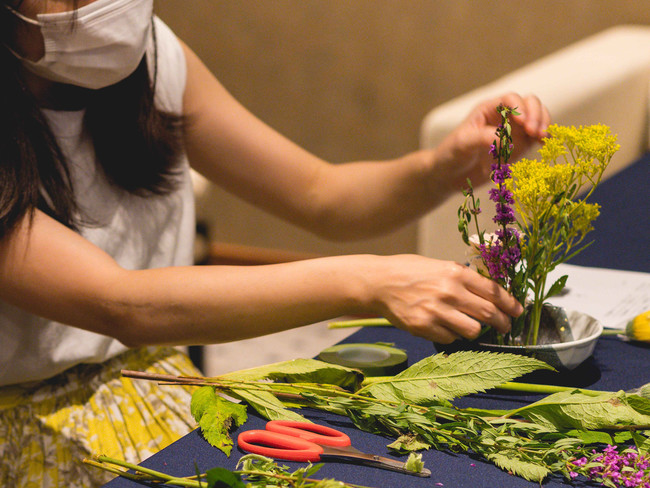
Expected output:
(615, 365)
(622, 231)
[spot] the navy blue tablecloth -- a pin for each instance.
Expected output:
(621, 233)
(615, 365)
(621, 240)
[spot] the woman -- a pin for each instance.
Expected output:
(103, 111)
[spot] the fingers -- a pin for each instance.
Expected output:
(533, 116)
(448, 301)
(494, 293)
(484, 301)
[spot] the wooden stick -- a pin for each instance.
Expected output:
(141, 375)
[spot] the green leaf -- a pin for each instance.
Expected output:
(215, 416)
(486, 412)
(622, 437)
(301, 371)
(575, 410)
(442, 377)
(639, 403)
(408, 443)
(464, 235)
(223, 478)
(267, 405)
(202, 400)
(642, 441)
(592, 436)
(510, 462)
(557, 287)
(328, 483)
(414, 463)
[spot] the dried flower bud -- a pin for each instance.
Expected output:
(474, 255)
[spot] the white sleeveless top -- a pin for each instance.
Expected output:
(139, 233)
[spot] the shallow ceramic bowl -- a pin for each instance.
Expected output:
(561, 355)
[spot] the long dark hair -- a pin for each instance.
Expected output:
(136, 144)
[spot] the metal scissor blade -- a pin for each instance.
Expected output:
(353, 455)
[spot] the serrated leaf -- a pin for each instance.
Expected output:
(215, 416)
(442, 377)
(267, 405)
(223, 478)
(301, 371)
(408, 443)
(202, 400)
(509, 462)
(557, 287)
(575, 410)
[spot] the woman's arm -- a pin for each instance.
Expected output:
(234, 149)
(51, 271)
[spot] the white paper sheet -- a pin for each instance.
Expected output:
(611, 296)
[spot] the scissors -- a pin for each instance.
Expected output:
(293, 440)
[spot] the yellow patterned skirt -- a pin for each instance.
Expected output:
(48, 428)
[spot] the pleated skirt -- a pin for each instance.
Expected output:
(48, 428)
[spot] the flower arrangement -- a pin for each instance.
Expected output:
(542, 215)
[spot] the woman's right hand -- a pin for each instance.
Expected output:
(437, 300)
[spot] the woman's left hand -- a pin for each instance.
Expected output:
(464, 153)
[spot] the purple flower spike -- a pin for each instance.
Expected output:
(629, 469)
(504, 214)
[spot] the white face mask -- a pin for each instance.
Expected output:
(95, 46)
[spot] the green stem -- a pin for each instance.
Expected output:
(371, 380)
(613, 332)
(544, 389)
(189, 482)
(478, 230)
(283, 477)
(139, 469)
(112, 470)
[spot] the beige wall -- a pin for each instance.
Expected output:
(353, 79)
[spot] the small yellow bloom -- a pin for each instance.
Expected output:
(638, 329)
(583, 215)
(530, 185)
(588, 143)
(552, 149)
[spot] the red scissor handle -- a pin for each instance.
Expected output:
(279, 446)
(318, 434)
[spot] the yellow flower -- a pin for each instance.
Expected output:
(570, 158)
(583, 215)
(589, 143)
(638, 329)
(552, 149)
(529, 184)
